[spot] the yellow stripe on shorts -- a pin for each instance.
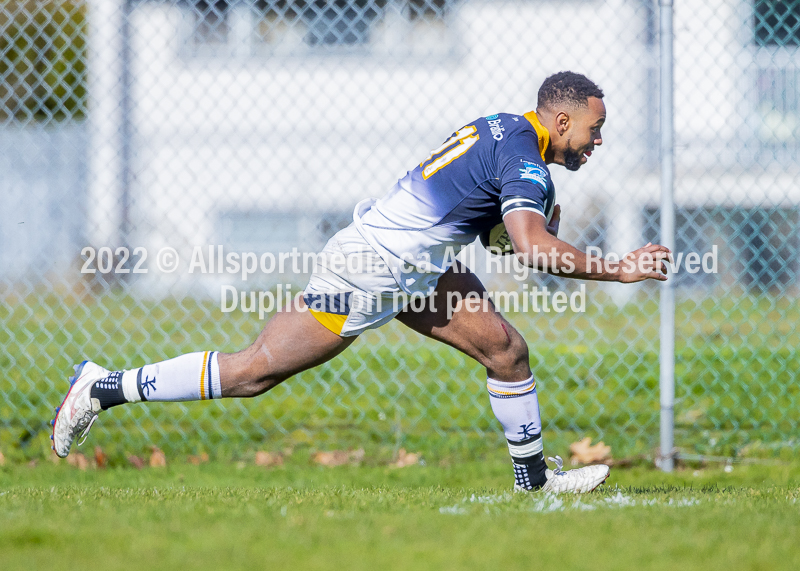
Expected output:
(331, 321)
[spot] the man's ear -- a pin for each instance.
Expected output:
(562, 122)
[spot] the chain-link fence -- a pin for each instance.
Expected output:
(218, 127)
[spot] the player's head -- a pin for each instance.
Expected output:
(571, 107)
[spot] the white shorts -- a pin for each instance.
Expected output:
(352, 288)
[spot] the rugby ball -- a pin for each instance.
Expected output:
(498, 241)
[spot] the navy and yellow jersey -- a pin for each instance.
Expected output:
(464, 188)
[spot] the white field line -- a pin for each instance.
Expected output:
(545, 503)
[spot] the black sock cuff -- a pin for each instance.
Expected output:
(527, 457)
(530, 460)
(530, 476)
(108, 391)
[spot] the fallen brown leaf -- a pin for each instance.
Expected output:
(197, 460)
(136, 462)
(100, 457)
(584, 453)
(338, 457)
(269, 459)
(33, 463)
(332, 458)
(3, 459)
(405, 459)
(78, 460)
(157, 458)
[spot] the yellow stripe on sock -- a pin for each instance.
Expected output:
(203, 377)
(508, 393)
(331, 321)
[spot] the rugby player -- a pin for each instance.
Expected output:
(491, 172)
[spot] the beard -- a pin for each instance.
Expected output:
(572, 159)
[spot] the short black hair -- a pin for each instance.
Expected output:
(568, 87)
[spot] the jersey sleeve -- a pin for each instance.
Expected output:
(525, 182)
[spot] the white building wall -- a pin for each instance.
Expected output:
(315, 134)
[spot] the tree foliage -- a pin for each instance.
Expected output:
(42, 60)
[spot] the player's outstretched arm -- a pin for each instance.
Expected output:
(536, 244)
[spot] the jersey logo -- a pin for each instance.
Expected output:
(496, 127)
(533, 173)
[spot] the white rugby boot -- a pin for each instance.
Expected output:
(577, 481)
(78, 411)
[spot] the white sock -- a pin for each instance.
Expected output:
(194, 376)
(516, 406)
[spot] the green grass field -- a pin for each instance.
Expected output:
(736, 364)
(229, 516)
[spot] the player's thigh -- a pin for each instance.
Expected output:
(460, 314)
(297, 341)
(291, 342)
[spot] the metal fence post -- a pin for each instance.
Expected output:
(126, 133)
(667, 329)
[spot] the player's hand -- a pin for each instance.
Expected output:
(552, 228)
(645, 263)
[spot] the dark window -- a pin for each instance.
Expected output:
(211, 21)
(303, 27)
(340, 22)
(777, 22)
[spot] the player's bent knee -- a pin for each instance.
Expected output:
(509, 360)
